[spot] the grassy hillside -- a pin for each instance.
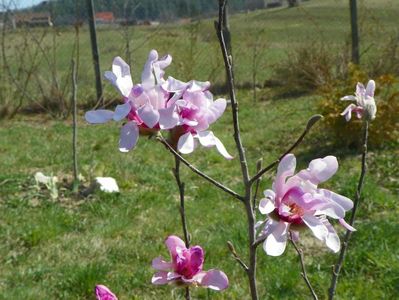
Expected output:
(61, 249)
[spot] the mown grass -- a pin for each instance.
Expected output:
(61, 249)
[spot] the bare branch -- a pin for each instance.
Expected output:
(311, 122)
(235, 255)
(338, 266)
(198, 172)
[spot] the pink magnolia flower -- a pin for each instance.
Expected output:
(197, 110)
(296, 202)
(186, 267)
(147, 106)
(104, 293)
(365, 102)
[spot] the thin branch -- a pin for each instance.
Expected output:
(198, 172)
(303, 274)
(338, 266)
(312, 121)
(228, 62)
(236, 257)
(255, 195)
(75, 129)
(181, 186)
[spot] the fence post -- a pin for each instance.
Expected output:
(94, 50)
(355, 33)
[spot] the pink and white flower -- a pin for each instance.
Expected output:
(186, 267)
(147, 106)
(365, 102)
(197, 111)
(104, 293)
(295, 202)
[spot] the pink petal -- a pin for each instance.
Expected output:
(215, 280)
(332, 238)
(347, 113)
(99, 116)
(121, 111)
(370, 88)
(285, 168)
(346, 225)
(160, 278)
(216, 110)
(128, 137)
(147, 76)
(186, 143)
(276, 241)
(198, 86)
(149, 115)
(331, 209)
(344, 202)
(120, 76)
(316, 225)
(174, 85)
(360, 90)
(322, 169)
(168, 117)
(172, 242)
(161, 265)
(104, 293)
(349, 98)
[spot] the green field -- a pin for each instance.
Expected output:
(61, 249)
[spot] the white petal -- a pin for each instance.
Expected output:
(344, 202)
(349, 98)
(316, 225)
(128, 137)
(120, 76)
(186, 144)
(346, 225)
(121, 111)
(370, 88)
(266, 206)
(107, 184)
(276, 242)
(168, 117)
(206, 138)
(322, 169)
(99, 116)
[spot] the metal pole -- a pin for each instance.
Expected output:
(355, 33)
(94, 50)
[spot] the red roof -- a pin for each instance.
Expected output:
(105, 16)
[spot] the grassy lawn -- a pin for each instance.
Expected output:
(61, 249)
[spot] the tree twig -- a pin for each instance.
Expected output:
(236, 257)
(255, 195)
(311, 122)
(198, 172)
(338, 266)
(75, 185)
(303, 274)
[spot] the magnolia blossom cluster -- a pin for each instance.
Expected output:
(295, 202)
(186, 109)
(365, 103)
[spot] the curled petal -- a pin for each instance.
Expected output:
(346, 225)
(215, 280)
(276, 241)
(198, 86)
(349, 98)
(332, 238)
(128, 137)
(347, 113)
(147, 76)
(174, 85)
(208, 139)
(186, 143)
(104, 293)
(344, 202)
(160, 278)
(360, 90)
(99, 116)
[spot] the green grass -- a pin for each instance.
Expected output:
(61, 249)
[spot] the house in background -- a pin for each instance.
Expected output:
(105, 17)
(31, 19)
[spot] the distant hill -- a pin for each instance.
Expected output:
(162, 10)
